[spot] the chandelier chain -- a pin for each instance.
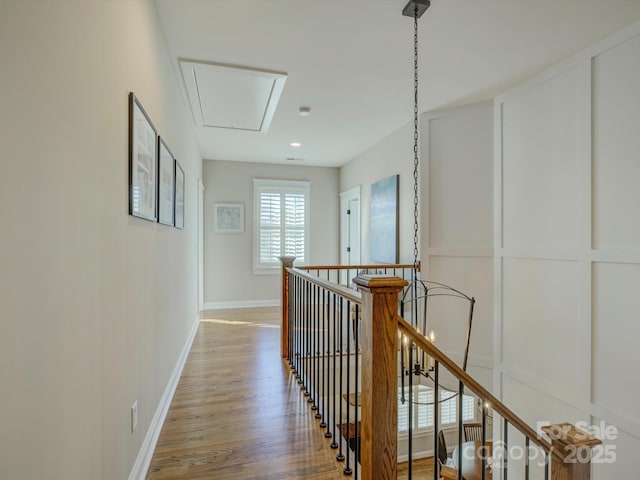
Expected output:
(415, 139)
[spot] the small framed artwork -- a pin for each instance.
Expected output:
(179, 197)
(228, 217)
(143, 163)
(166, 183)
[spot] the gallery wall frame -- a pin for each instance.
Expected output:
(384, 220)
(143, 163)
(228, 217)
(179, 196)
(166, 184)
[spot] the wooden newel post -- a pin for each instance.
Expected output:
(379, 353)
(571, 455)
(287, 262)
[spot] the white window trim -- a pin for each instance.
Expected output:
(297, 186)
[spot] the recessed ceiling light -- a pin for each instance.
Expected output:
(295, 144)
(304, 111)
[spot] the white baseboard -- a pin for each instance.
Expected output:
(143, 460)
(242, 304)
(416, 456)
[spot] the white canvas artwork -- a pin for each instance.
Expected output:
(229, 217)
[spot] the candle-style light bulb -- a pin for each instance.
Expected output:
(432, 339)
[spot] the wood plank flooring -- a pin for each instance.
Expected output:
(238, 413)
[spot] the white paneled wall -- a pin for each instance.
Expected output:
(567, 246)
(458, 229)
(616, 147)
(540, 179)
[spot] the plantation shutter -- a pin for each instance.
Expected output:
(270, 216)
(294, 231)
(282, 221)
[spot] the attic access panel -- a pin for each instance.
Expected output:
(239, 98)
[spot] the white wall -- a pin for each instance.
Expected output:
(392, 156)
(457, 245)
(228, 258)
(96, 305)
(567, 245)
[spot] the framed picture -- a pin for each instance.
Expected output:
(179, 196)
(384, 220)
(166, 183)
(228, 217)
(143, 163)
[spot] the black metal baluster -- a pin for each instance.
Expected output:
(436, 423)
(340, 456)
(460, 393)
(299, 328)
(347, 469)
(291, 320)
(484, 439)
(410, 411)
(327, 352)
(307, 344)
(334, 444)
(526, 465)
(322, 401)
(505, 462)
(356, 340)
(301, 333)
(314, 347)
(331, 367)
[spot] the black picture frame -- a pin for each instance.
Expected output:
(179, 197)
(166, 184)
(143, 163)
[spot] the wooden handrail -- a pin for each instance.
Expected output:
(379, 328)
(357, 267)
(469, 382)
(438, 355)
(343, 291)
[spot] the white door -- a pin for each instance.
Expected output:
(353, 246)
(349, 231)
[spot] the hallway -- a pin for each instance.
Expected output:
(237, 413)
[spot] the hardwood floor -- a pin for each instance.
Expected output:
(422, 469)
(237, 412)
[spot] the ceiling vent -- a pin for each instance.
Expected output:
(238, 98)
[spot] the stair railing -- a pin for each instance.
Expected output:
(344, 274)
(344, 348)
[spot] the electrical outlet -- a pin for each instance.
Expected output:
(134, 416)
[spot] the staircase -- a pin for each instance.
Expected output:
(348, 348)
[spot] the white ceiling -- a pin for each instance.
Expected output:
(351, 61)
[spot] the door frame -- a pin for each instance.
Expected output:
(346, 197)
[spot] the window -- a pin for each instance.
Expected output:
(423, 408)
(281, 223)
